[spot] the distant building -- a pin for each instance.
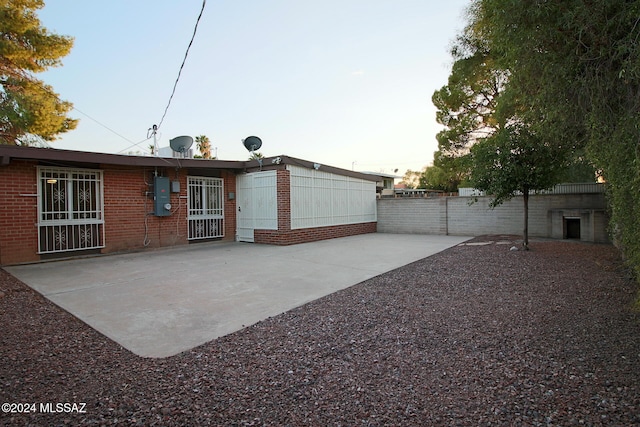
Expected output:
(167, 152)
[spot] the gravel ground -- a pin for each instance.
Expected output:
(475, 335)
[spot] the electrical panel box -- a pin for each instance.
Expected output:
(175, 186)
(161, 196)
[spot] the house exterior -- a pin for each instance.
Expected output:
(61, 203)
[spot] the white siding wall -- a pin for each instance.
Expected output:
(323, 199)
(265, 197)
(257, 204)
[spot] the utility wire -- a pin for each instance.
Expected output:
(103, 125)
(195, 29)
(133, 144)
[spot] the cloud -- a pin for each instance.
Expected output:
(357, 73)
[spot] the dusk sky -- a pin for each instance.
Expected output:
(345, 83)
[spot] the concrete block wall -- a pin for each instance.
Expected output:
(412, 215)
(459, 216)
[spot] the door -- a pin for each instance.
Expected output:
(257, 206)
(244, 214)
(205, 198)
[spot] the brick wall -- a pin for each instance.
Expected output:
(129, 222)
(304, 235)
(126, 206)
(18, 213)
(229, 205)
(283, 180)
(128, 210)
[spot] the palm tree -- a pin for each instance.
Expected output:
(255, 155)
(204, 146)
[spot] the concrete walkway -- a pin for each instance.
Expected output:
(160, 303)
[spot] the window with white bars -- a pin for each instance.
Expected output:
(205, 216)
(70, 209)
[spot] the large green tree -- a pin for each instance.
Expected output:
(447, 173)
(514, 162)
(577, 66)
(488, 115)
(466, 105)
(28, 106)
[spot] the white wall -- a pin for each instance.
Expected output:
(324, 199)
(257, 204)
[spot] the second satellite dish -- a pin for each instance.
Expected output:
(252, 143)
(181, 144)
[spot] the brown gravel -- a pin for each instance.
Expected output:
(475, 335)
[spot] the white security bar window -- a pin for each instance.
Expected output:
(70, 210)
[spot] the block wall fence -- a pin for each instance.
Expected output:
(462, 216)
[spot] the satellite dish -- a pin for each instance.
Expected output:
(252, 143)
(181, 144)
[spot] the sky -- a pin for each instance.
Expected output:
(346, 83)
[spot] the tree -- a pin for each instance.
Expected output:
(28, 106)
(493, 110)
(204, 146)
(576, 65)
(514, 162)
(411, 178)
(447, 173)
(255, 155)
(467, 104)
(466, 107)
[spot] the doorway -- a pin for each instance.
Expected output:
(572, 228)
(205, 200)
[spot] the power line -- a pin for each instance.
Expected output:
(133, 144)
(103, 125)
(195, 29)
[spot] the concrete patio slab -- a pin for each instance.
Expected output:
(160, 303)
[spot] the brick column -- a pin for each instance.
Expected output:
(283, 183)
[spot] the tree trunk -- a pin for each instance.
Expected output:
(525, 198)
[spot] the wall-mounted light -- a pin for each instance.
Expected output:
(316, 166)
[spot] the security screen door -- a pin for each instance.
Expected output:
(205, 198)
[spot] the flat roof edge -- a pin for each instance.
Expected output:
(8, 152)
(54, 154)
